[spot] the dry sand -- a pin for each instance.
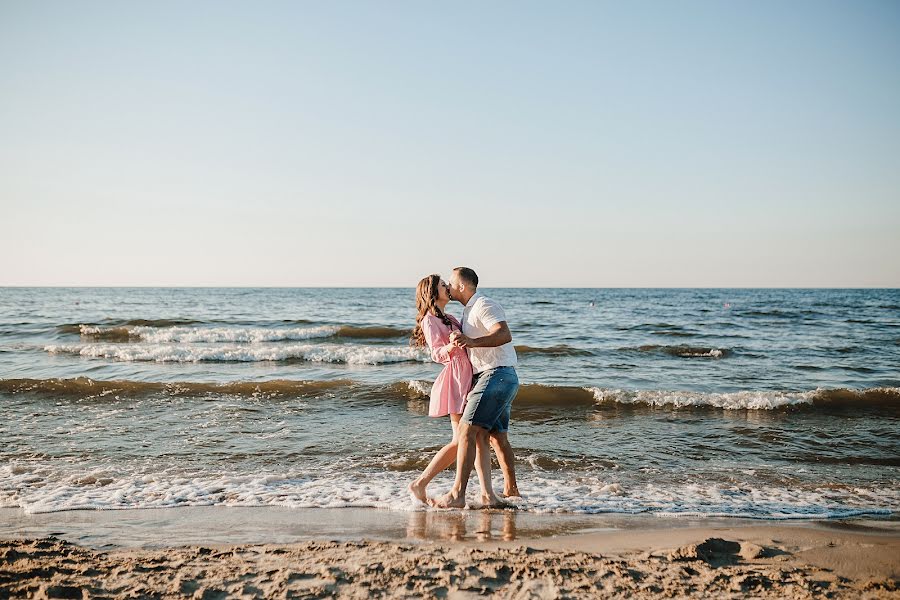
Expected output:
(770, 561)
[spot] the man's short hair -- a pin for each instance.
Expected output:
(467, 275)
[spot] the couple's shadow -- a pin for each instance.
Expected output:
(479, 525)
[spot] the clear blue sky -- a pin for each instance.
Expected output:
(350, 143)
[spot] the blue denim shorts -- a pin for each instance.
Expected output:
(489, 403)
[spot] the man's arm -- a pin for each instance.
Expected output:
(497, 335)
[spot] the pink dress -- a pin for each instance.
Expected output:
(448, 394)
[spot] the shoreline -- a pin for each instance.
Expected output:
(229, 525)
(240, 552)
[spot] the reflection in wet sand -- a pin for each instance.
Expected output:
(482, 525)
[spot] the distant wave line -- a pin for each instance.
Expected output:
(182, 334)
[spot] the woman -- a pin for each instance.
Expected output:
(448, 394)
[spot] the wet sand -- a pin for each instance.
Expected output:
(452, 554)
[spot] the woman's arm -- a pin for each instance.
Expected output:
(440, 353)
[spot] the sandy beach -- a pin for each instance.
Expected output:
(462, 555)
(515, 300)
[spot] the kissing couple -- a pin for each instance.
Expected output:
(476, 387)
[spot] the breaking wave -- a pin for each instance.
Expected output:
(182, 334)
(86, 388)
(329, 353)
(682, 351)
(417, 389)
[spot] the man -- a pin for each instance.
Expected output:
(486, 335)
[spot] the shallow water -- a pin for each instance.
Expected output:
(756, 403)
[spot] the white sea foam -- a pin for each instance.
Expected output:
(418, 386)
(752, 400)
(41, 490)
(331, 353)
(713, 353)
(181, 334)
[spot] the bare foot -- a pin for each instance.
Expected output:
(448, 501)
(417, 491)
(512, 493)
(493, 502)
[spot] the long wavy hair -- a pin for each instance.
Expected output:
(426, 298)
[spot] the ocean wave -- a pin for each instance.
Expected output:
(76, 327)
(330, 353)
(529, 395)
(190, 335)
(847, 398)
(682, 351)
(416, 387)
(748, 400)
(534, 394)
(559, 350)
(781, 314)
(371, 332)
(109, 334)
(651, 327)
(674, 333)
(753, 400)
(255, 335)
(86, 388)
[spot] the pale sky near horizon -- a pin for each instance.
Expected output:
(580, 144)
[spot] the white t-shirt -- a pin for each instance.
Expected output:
(480, 314)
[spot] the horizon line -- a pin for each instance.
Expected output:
(397, 287)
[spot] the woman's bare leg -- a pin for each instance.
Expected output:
(445, 457)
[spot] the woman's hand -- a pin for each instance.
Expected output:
(459, 340)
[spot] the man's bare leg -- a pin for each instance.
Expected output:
(483, 468)
(465, 462)
(507, 460)
(443, 459)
